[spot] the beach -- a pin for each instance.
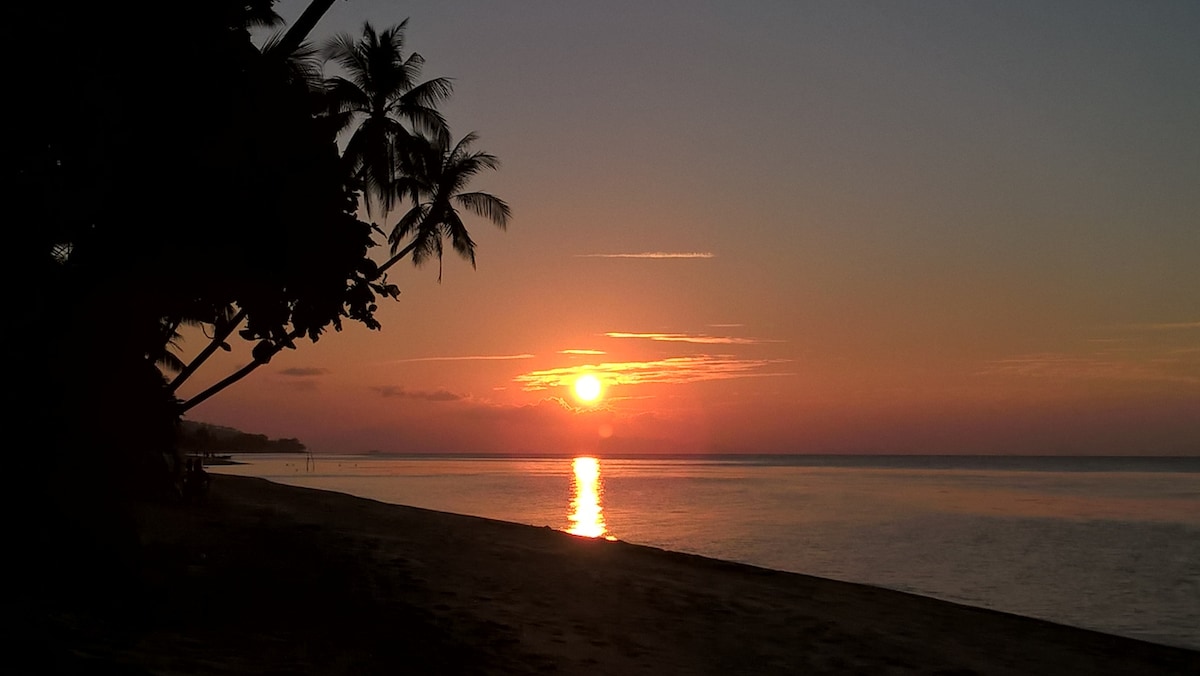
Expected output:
(265, 578)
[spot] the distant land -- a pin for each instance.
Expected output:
(199, 437)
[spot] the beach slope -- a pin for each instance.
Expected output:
(271, 579)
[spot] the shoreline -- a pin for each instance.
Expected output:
(265, 577)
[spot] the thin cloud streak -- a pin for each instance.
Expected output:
(389, 391)
(488, 357)
(651, 255)
(583, 352)
(687, 338)
(1071, 367)
(1166, 326)
(674, 370)
(303, 371)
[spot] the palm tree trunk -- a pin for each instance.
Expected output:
(238, 374)
(229, 380)
(393, 260)
(207, 352)
(249, 368)
(303, 26)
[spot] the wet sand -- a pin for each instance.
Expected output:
(270, 579)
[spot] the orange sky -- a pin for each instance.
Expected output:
(887, 227)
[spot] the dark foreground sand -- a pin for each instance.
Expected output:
(269, 579)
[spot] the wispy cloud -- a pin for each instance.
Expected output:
(726, 326)
(389, 391)
(674, 370)
(1166, 326)
(700, 339)
(484, 357)
(1058, 366)
(584, 352)
(303, 371)
(651, 254)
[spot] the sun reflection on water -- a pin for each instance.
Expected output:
(586, 516)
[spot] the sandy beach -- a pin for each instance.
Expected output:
(269, 579)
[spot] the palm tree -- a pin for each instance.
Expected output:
(435, 187)
(436, 193)
(393, 163)
(381, 93)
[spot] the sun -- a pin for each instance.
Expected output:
(587, 388)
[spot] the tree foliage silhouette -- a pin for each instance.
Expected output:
(215, 195)
(391, 163)
(436, 190)
(381, 97)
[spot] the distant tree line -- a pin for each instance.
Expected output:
(208, 439)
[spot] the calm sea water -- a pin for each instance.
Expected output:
(1111, 544)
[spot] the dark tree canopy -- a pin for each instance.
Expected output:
(170, 171)
(162, 171)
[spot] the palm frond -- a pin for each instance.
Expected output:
(170, 362)
(338, 122)
(429, 245)
(465, 142)
(61, 252)
(477, 162)
(486, 206)
(409, 187)
(460, 238)
(303, 64)
(424, 95)
(346, 96)
(260, 14)
(428, 122)
(408, 224)
(343, 49)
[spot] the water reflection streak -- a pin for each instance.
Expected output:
(586, 515)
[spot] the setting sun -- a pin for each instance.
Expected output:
(587, 388)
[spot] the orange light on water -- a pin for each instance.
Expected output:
(586, 516)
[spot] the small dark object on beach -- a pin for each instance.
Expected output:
(195, 481)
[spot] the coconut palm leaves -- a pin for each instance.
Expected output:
(398, 151)
(401, 149)
(382, 94)
(436, 189)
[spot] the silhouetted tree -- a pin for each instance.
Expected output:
(169, 172)
(380, 96)
(212, 194)
(436, 189)
(394, 164)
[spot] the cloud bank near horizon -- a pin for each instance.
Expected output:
(654, 255)
(399, 392)
(303, 371)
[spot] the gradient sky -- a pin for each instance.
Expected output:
(816, 227)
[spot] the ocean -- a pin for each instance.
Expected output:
(1111, 544)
